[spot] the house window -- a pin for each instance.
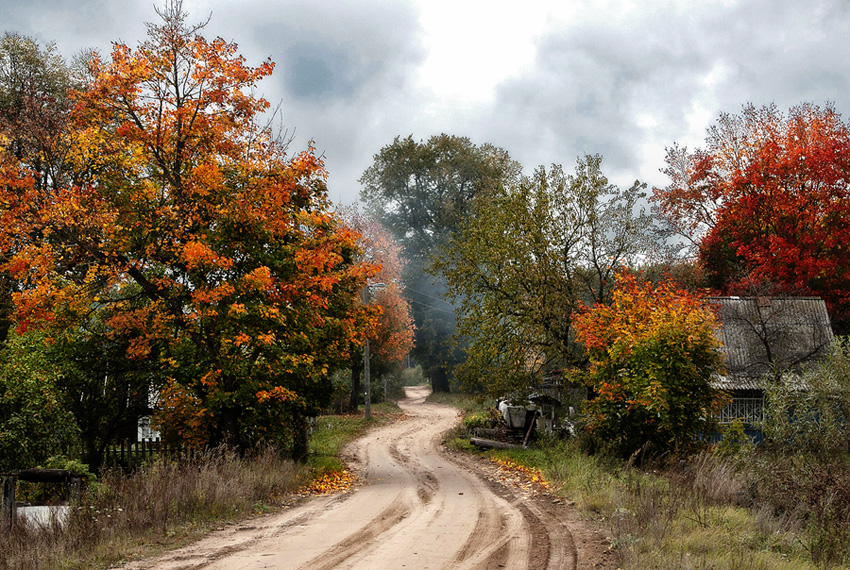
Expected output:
(747, 410)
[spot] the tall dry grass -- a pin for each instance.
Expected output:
(164, 504)
(751, 511)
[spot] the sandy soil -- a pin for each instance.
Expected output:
(417, 507)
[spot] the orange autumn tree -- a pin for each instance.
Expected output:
(652, 354)
(392, 336)
(182, 224)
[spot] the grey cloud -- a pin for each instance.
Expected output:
(590, 85)
(624, 85)
(313, 71)
(78, 24)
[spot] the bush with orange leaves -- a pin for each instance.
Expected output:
(652, 353)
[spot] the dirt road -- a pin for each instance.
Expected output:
(417, 508)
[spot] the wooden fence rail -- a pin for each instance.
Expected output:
(130, 455)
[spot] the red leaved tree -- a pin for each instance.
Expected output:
(391, 339)
(767, 203)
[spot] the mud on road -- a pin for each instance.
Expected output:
(417, 507)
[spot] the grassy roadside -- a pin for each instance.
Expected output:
(166, 505)
(695, 515)
(464, 402)
(327, 471)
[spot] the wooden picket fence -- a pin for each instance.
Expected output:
(130, 455)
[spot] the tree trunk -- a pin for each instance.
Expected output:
(300, 439)
(439, 379)
(229, 429)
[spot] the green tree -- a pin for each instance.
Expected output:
(526, 258)
(809, 412)
(104, 389)
(423, 192)
(652, 353)
(34, 422)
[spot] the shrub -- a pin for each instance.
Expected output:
(811, 413)
(652, 354)
(34, 423)
(735, 441)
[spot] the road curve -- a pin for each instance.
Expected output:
(416, 509)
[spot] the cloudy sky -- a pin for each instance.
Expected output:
(547, 81)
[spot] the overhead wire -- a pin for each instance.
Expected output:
(431, 307)
(427, 295)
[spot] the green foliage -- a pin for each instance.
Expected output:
(810, 413)
(104, 389)
(735, 441)
(484, 419)
(34, 422)
(423, 193)
(393, 385)
(74, 466)
(529, 254)
(412, 376)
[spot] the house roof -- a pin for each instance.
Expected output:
(764, 334)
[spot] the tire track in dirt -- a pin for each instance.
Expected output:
(415, 508)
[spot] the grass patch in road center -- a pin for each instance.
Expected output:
(332, 433)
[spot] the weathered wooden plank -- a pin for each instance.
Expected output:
(7, 502)
(45, 475)
(490, 444)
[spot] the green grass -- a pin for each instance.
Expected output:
(666, 518)
(463, 402)
(332, 433)
(657, 521)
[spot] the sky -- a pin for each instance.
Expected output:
(546, 81)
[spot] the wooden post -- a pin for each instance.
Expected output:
(7, 503)
(75, 490)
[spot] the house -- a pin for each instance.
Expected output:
(764, 337)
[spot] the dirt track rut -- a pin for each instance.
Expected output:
(416, 509)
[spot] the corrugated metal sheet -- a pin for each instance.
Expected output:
(730, 383)
(760, 333)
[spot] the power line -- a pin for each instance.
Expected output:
(442, 300)
(431, 307)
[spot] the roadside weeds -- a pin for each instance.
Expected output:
(698, 514)
(168, 504)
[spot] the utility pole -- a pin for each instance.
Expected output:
(367, 408)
